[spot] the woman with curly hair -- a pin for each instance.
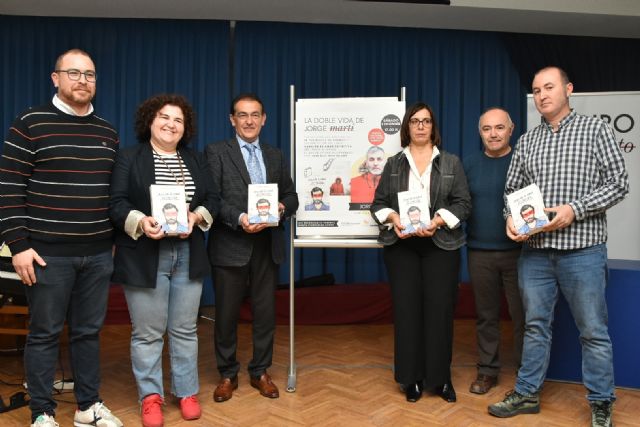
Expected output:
(162, 274)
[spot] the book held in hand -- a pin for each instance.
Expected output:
(169, 208)
(414, 210)
(527, 209)
(262, 205)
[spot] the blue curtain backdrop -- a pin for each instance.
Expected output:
(594, 64)
(134, 58)
(460, 73)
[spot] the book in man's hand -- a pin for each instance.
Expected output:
(414, 210)
(262, 204)
(527, 209)
(169, 208)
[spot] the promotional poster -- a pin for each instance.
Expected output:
(342, 146)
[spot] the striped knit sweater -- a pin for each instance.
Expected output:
(54, 183)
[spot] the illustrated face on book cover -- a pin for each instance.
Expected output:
(171, 215)
(414, 216)
(532, 223)
(528, 214)
(263, 208)
(171, 224)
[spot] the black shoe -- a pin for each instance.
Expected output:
(413, 392)
(447, 392)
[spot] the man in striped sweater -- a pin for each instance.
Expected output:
(54, 191)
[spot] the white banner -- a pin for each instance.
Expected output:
(342, 145)
(622, 111)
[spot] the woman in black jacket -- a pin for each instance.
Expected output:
(423, 266)
(162, 272)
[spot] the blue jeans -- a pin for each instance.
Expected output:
(582, 277)
(75, 289)
(172, 307)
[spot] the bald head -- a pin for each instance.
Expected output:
(496, 128)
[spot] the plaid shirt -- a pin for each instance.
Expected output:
(580, 165)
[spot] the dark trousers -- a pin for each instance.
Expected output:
(75, 289)
(259, 277)
(424, 287)
(491, 272)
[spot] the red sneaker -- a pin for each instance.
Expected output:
(190, 408)
(151, 411)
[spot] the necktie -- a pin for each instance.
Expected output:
(255, 173)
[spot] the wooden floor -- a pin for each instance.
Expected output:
(344, 378)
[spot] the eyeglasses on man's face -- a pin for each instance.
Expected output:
(75, 74)
(417, 122)
(245, 117)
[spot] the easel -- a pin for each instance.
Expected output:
(315, 242)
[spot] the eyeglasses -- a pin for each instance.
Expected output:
(416, 122)
(245, 117)
(74, 74)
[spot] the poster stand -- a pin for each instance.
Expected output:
(315, 242)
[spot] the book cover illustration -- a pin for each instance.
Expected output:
(527, 209)
(262, 204)
(169, 208)
(414, 210)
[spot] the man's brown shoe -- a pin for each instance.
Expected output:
(483, 384)
(224, 390)
(265, 385)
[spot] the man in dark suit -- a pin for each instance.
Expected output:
(245, 256)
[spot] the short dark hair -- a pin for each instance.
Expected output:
(316, 189)
(413, 209)
(526, 207)
(74, 51)
(405, 136)
(263, 201)
(563, 74)
(168, 206)
(248, 96)
(147, 111)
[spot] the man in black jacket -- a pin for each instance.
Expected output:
(243, 254)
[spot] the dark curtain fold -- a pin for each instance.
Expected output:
(135, 58)
(460, 73)
(594, 64)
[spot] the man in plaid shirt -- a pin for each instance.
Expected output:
(577, 164)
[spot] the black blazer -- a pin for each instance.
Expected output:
(448, 189)
(229, 245)
(136, 261)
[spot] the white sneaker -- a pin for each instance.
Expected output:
(97, 415)
(45, 420)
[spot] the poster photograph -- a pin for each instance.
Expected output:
(342, 146)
